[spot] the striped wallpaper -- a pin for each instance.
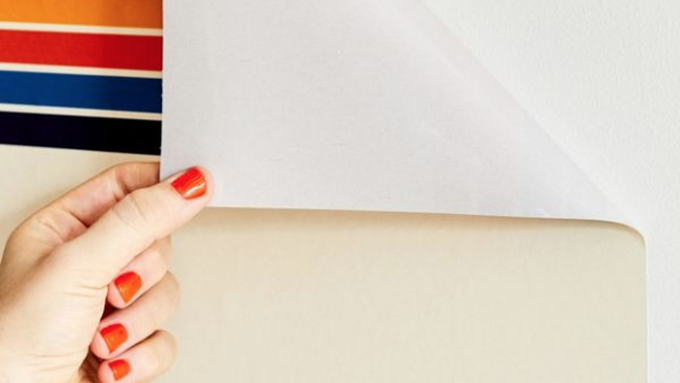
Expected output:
(81, 74)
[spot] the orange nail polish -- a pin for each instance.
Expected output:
(191, 184)
(128, 285)
(114, 336)
(119, 368)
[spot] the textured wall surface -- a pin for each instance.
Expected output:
(603, 79)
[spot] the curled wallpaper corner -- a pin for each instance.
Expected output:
(368, 105)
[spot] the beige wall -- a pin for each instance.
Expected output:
(292, 296)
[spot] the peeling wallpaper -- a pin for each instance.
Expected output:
(603, 79)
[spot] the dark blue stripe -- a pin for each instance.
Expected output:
(80, 91)
(88, 133)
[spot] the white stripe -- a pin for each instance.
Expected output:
(80, 29)
(80, 70)
(79, 112)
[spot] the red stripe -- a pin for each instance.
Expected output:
(82, 49)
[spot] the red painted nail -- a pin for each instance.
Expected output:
(114, 336)
(191, 184)
(128, 285)
(119, 368)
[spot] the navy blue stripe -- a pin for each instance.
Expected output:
(88, 133)
(81, 91)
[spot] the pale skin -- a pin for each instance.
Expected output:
(65, 280)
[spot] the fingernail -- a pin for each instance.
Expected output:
(119, 368)
(191, 184)
(128, 285)
(114, 336)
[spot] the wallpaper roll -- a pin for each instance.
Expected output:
(368, 105)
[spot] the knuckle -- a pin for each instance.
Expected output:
(160, 353)
(165, 246)
(175, 291)
(157, 259)
(166, 350)
(154, 359)
(121, 174)
(122, 214)
(136, 211)
(137, 206)
(163, 302)
(17, 235)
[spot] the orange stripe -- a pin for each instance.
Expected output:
(108, 13)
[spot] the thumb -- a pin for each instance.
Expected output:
(132, 225)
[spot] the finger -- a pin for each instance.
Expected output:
(68, 216)
(142, 273)
(124, 328)
(142, 363)
(133, 224)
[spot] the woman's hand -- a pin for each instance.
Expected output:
(84, 285)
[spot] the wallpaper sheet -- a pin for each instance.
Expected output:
(368, 105)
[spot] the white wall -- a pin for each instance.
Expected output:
(603, 79)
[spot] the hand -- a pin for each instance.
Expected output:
(84, 283)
